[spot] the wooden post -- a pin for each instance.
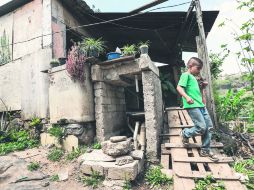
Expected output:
(203, 54)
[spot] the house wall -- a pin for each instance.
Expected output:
(61, 18)
(23, 85)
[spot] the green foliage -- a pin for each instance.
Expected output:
(145, 43)
(90, 44)
(155, 178)
(127, 184)
(33, 166)
(229, 107)
(94, 180)
(76, 153)
(54, 63)
(96, 146)
(56, 131)
(55, 154)
(209, 183)
(54, 177)
(166, 85)
(35, 122)
(5, 53)
(129, 50)
(16, 140)
(246, 167)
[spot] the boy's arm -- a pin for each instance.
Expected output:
(181, 91)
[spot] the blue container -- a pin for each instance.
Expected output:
(113, 55)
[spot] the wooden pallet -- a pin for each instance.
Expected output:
(185, 164)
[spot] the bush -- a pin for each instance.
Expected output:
(54, 177)
(56, 131)
(209, 183)
(92, 180)
(155, 178)
(55, 154)
(33, 166)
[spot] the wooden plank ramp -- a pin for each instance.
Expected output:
(185, 164)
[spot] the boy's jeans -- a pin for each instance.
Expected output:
(202, 125)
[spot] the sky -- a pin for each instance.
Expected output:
(217, 36)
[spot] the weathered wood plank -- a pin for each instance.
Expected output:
(165, 161)
(173, 108)
(194, 145)
(234, 185)
(203, 160)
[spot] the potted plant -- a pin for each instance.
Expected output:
(93, 47)
(129, 50)
(54, 63)
(143, 47)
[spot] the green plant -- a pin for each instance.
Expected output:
(156, 178)
(33, 166)
(54, 63)
(35, 122)
(166, 85)
(144, 43)
(127, 184)
(90, 44)
(16, 140)
(55, 154)
(54, 177)
(209, 183)
(75, 153)
(94, 180)
(56, 131)
(5, 52)
(229, 107)
(129, 50)
(96, 146)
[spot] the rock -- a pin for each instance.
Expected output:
(124, 160)
(137, 154)
(16, 123)
(118, 139)
(88, 134)
(114, 184)
(116, 149)
(63, 175)
(97, 155)
(74, 129)
(45, 184)
(88, 150)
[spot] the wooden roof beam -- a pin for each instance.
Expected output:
(147, 6)
(180, 33)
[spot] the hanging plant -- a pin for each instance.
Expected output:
(75, 64)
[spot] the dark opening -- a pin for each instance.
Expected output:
(170, 162)
(72, 37)
(194, 139)
(194, 166)
(190, 153)
(206, 166)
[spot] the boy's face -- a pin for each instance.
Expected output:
(195, 69)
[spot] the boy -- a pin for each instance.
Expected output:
(194, 103)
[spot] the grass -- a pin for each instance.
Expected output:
(55, 154)
(54, 177)
(16, 140)
(94, 180)
(156, 178)
(209, 183)
(56, 131)
(127, 185)
(96, 146)
(246, 167)
(33, 166)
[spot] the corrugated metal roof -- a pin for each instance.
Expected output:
(161, 29)
(11, 6)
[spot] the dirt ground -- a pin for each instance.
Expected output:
(13, 168)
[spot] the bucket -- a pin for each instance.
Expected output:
(113, 55)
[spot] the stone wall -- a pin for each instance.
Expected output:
(153, 112)
(109, 110)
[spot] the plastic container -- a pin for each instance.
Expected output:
(113, 55)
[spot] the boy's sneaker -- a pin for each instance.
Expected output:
(185, 140)
(211, 155)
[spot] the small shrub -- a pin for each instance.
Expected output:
(35, 122)
(97, 146)
(127, 184)
(94, 180)
(155, 178)
(209, 183)
(54, 177)
(129, 50)
(55, 154)
(33, 166)
(74, 154)
(56, 131)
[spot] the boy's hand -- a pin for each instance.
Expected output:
(189, 100)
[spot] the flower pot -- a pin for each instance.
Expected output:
(62, 60)
(93, 53)
(113, 55)
(143, 49)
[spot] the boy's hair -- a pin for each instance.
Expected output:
(195, 61)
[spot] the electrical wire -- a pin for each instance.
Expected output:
(94, 24)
